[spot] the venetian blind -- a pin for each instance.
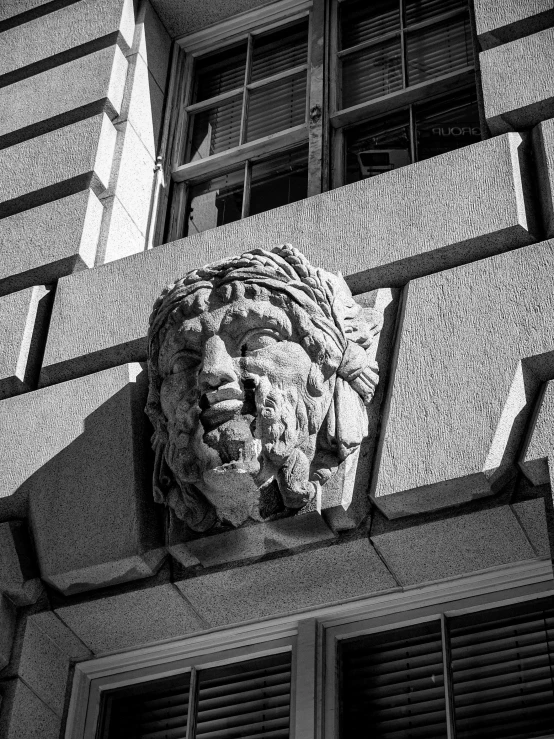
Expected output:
(503, 672)
(393, 684)
(248, 699)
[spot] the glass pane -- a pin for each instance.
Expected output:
(215, 202)
(276, 107)
(220, 72)
(393, 685)
(421, 10)
(279, 181)
(362, 20)
(439, 49)
(245, 699)
(377, 146)
(447, 123)
(371, 73)
(215, 130)
(280, 50)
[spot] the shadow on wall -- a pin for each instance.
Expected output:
(90, 505)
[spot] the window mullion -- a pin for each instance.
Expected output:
(246, 190)
(317, 169)
(448, 687)
(193, 704)
(413, 139)
(247, 75)
(304, 681)
(403, 45)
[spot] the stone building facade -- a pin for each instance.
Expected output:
(452, 510)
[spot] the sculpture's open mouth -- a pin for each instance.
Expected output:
(227, 402)
(220, 412)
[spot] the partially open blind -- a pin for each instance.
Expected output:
(246, 699)
(503, 672)
(393, 685)
(153, 710)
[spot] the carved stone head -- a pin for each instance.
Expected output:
(259, 378)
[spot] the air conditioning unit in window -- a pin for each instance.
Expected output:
(377, 161)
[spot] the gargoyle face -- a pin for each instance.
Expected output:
(243, 402)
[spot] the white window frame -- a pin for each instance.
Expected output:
(312, 636)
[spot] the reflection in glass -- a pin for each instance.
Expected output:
(438, 49)
(361, 20)
(220, 72)
(446, 124)
(371, 73)
(377, 146)
(215, 130)
(215, 202)
(422, 10)
(279, 50)
(279, 181)
(276, 107)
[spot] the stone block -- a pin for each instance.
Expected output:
(23, 325)
(18, 572)
(132, 619)
(518, 82)
(66, 641)
(307, 580)
(543, 144)
(81, 152)
(537, 456)
(182, 17)
(453, 547)
(42, 244)
(154, 44)
(94, 81)
(531, 515)
(452, 209)
(63, 30)
(25, 716)
(500, 22)
(77, 451)
(7, 629)
(474, 346)
(135, 178)
(44, 667)
(120, 235)
(257, 540)
(144, 105)
(11, 8)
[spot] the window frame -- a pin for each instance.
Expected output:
(312, 635)
(175, 175)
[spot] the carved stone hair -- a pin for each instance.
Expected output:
(335, 316)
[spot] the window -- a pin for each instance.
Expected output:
(461, 659)
(259, 107)
(249, 698)
(489, 673)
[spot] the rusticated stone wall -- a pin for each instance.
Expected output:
(460, 464)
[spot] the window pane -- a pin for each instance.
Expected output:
(371, 73)
(215, 202)
(245, 699)
(362, 20)
(220, 72)
(377, 146)
(447, 123)
(439, 49)
(502, 672)
(152, 709)
(215, 130)
(276, 107)
(280, 50)
(393, 684)
(421, 10)
(279, 181)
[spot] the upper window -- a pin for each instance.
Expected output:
(286, 104)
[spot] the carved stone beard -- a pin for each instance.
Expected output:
(257, 463)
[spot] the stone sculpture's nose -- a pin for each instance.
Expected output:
(217, 367)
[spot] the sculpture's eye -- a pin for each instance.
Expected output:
(261, 339)
(184, 362)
